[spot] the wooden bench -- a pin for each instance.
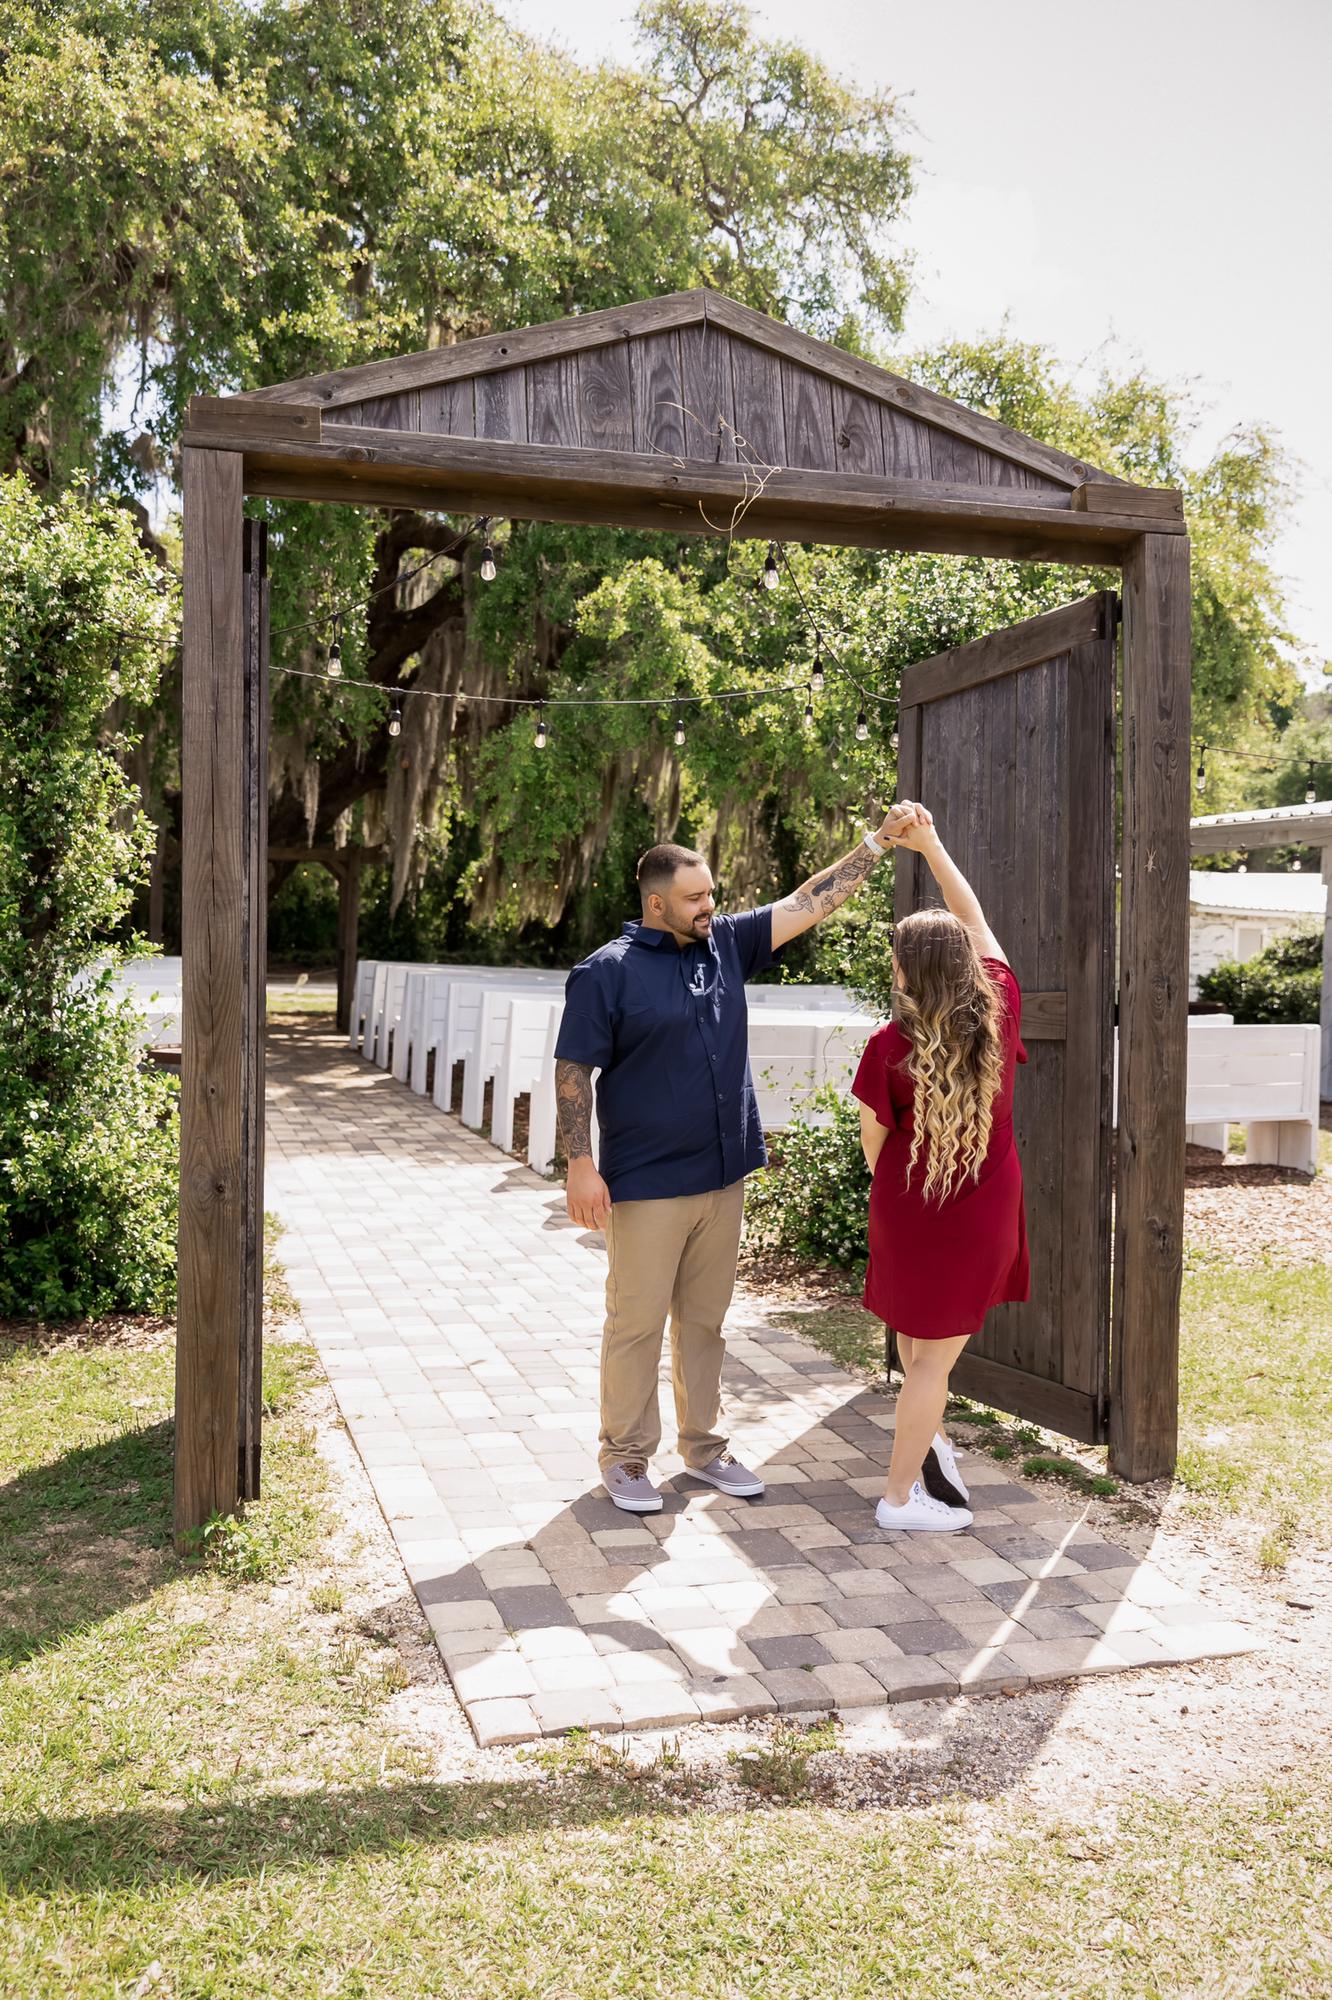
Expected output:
(1262, 1077)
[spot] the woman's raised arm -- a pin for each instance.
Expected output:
(922, 837)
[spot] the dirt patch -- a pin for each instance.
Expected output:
(118, 1330)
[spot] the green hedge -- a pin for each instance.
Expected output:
(1283, 983)
(814, 1199)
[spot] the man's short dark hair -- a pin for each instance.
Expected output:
(659, 867)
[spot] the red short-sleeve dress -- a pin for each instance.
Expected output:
(936, 1267)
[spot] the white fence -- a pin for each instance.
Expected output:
(501, 1024)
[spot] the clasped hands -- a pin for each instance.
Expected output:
(907, 824)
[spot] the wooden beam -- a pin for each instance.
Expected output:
(1161, 503)
(488, 353)
(1026, 645)
(959, 537)
(213, 1179)
(554, 481)
(1153, 1009)
(254, 926)
(237, 417)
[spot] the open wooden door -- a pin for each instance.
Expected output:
(1010, 742)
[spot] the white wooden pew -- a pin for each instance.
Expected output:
(425, 1005)
(1264, 1077)
(362, 996)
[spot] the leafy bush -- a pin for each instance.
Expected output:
(88, 1145)
(814, 1200)
(1282, 983)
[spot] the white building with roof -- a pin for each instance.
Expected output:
(1234, 916)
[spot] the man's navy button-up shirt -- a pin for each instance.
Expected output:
(669, 1031)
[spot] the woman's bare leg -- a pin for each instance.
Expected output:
(920, 1406)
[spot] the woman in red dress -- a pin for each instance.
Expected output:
(947, 1231)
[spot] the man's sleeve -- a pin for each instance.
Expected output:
(752, 931)
(587, 1029)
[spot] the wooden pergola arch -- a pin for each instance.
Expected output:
(696, 415)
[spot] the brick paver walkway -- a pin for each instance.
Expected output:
(458, 1314)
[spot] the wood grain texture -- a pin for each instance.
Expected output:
(254, 919)
(693, 509)
(1153, 1005)
(488, 352)
(924, 404)
(215, 851)
(808, 409)
(553, 401)
(999, 653)
(1015, 763)
(448, 408)
(500, 404)
(756, 382)
(906, 446)
(526, 474)
(709, 395)
(658, 394)
(606, 396)
(1162, 503)
(243, 419)
(389, 413)
(857, 432)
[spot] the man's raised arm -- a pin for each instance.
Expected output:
(822, 894)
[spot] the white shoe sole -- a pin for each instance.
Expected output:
(652, 1506)
(948, 1467)
(956, 1520)
(753, 1491)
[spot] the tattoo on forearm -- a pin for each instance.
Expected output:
(573, 1108)
(826, 893)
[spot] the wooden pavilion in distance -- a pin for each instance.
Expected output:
(695, 415)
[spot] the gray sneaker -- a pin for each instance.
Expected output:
(630, 1488)
(729, 1476)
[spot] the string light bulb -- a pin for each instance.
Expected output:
(1243, 868)
(487, 554)
(816, 679)
(809, 708)
(1200, 776)
(542, 737)
(335, 652)
(679, 732)
(1310, 791)
(893, 740)
(1296, 865)
(770, 574)
(862, 727)
(395, 717)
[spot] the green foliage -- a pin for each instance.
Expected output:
(1282, 983)
(246, 1550)
(87, 1135)
(814, 1200)
(780, 1768)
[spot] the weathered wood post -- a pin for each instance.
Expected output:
(347, 869)
(1153, 1008)
(223, 754)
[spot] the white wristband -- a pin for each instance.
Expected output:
(874, 846)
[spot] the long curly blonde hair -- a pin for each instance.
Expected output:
(949, 1010)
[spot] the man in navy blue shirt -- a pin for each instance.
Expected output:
(660, 1011)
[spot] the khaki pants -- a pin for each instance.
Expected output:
(676, 1256)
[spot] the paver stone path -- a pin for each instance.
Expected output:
(458, 1314)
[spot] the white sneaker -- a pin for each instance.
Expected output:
(923, 1514)
(947, 1458)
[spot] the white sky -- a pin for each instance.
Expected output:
(1155, 174)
